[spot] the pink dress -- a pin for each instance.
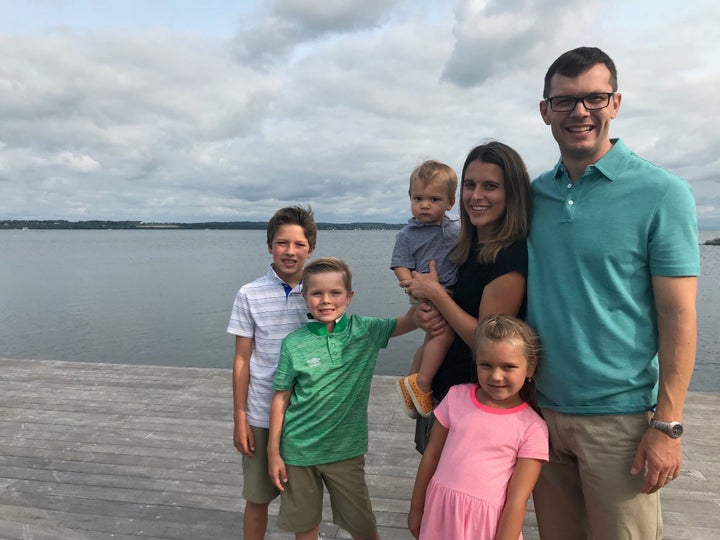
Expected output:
(466, 495)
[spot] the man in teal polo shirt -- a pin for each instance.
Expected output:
(612, 280)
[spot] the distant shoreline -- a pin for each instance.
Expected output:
(61, 224)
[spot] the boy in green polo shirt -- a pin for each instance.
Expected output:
(318, 418)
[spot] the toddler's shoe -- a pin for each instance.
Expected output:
(422, 400)
(406, 403)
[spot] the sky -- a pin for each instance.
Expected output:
(187, 111)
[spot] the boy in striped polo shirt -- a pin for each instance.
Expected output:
(318, 419)
(264, 312)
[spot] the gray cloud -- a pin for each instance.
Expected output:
(282, 26)
(164, 126)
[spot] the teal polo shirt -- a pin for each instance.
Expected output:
(592, 251)
(330, 377)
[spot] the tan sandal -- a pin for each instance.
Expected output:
(406, 403)
(422, 400)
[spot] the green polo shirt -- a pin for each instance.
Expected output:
(593, 249)
(330, 377)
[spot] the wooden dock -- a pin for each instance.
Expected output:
(101, 451)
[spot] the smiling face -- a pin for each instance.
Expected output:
(583, 136)
(327, 297)
(429, 203)
(290, 250)
(502, 369)
(483, 197)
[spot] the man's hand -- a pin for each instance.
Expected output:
(660, 457)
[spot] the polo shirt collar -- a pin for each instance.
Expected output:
(318, 328)
(610, 165)
(272, 275)
(416, 223)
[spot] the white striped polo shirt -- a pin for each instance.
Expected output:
(265, 311)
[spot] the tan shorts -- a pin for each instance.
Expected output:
(302, 501)
(586, 490)
(257, 485)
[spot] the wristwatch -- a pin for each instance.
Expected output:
(671, 429)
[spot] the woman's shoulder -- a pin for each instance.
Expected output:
(513, 254)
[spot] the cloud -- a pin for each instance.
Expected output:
(331, 104)
(282, 26)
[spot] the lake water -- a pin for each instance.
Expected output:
(163, 297)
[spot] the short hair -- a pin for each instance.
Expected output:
(327, 264)
(293, 215)
(431, 172)
(577, 61)
(515, 224)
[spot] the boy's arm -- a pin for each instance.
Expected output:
(404, 324)
(426, 470)
(276, 465)
(520, 487)
(242, 435)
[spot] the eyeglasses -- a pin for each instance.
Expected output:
(591, 102)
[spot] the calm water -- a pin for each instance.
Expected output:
(164, 297)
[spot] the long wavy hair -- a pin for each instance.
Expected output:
(515, 225)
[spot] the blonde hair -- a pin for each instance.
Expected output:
(501, 327)
(431, 172)
(324, 265)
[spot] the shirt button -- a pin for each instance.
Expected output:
(570, 186)
(571, 202)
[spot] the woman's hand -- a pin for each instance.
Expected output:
(423, 285)
(429, 319)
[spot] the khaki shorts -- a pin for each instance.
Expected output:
(257, 485)
(586, 489)
(302, 501)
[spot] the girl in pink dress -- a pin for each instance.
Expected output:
(487, 445)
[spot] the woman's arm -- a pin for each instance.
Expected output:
(521, 484)
(426, 469)
(504, 294)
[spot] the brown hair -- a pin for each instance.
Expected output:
(515, 224)
(293, 215)
(578, 61)
(327, 264)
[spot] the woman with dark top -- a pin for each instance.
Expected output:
(492, 255)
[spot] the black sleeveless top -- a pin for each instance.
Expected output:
(458, 366)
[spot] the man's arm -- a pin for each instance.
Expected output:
(677, 341)
(242, 435)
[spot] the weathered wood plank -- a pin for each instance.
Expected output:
(99, 451)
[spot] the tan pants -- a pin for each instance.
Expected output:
(586, 491)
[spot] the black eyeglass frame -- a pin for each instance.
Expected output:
(550, 101)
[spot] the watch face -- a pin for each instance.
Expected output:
(676, 430)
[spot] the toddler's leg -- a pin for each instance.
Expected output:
(433, 354)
